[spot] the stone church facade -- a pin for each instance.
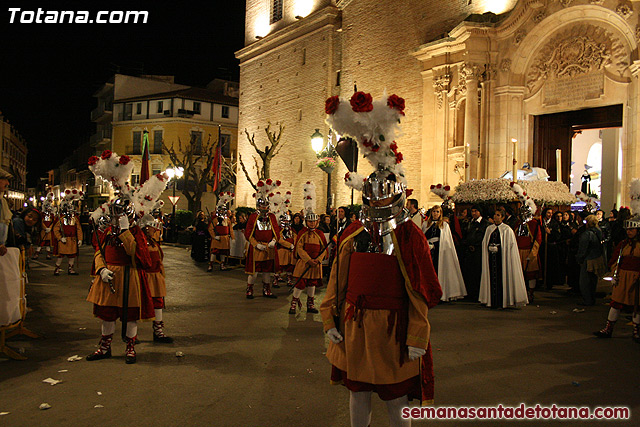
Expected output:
(480, 87)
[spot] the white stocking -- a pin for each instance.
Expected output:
(613, 314)
(212, 257)
(72, 261)
(158, 312)
(132, 329)
(532, 284)
(38, 249)
(360, 408)
(297, 292)
(108, 328)
(223, 259)
(311, 291)
(266, 277)
(59, 261)
(394, 407)
(251, 279)
(636, 318)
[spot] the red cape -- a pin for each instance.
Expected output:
(250, 267)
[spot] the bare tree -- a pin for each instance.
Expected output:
(271, 149)
(197, 160)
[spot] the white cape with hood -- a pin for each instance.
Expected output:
(449, 274)
(514, 290)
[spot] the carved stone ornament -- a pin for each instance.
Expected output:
(638, 32)
(440, 86)
(505, 65)
(625, 10)
(539, 17)
(579, 50)
(565, 3)
(596, 1)
(519, 36)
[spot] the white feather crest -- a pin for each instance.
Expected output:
(375, 130)
(225, 198)
(354, 180)
(276, 204)
(267, 187)
(523, 197)
(99, 212)
(309, 197)
(145, 196)
(112, 168)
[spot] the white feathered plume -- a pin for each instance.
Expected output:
(634, 192)
(225, 199)
(442, 191)
(374, 125)
(309, 198)
(112, 168)
(100, 211)
(523, 197)
(266, 188)
(145, 196)
(276, 204)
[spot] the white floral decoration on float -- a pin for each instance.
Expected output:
(374, 124)
(498, 190)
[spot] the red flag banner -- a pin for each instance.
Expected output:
(144, 170)
(217, 164)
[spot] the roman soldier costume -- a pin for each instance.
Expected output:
(149, 213)
(220, 231)
(262, 233)
(529, 238)
(68, 231)
(120, 290)
(286, 259)
(625, 263)
(48, 220)
(311, 249)
(382, 282)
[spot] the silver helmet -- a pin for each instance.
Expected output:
(383, 197)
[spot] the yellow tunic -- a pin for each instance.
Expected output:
(71, 246)
(624, 292)
(314, 272)
(225, 241)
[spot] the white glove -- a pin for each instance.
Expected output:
(335, 336)
(63, 240)
(123, 223)
(217, 238)
(261, 247)
(106, 275)
(79, 243)
(272, 244)
(47, 230)
(415, 352)
(431, 246)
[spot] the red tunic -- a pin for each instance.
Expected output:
(265, 261)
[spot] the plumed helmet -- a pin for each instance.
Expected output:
(383, 197)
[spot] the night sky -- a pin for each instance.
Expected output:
(49, 72)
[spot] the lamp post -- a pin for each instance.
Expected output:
(176, 173)
(317, 144)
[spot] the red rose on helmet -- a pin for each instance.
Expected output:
(399, 157)
(432, 186)
(439, 186)
(67, 191)
(124, 159)
(160, 176)
(106, 154)
(410, 191)
(331, 104)
(346, 176)
(278, 183)
(260, 184)
(269, 182)
(361, 102)
(92, 160)
(397, 103)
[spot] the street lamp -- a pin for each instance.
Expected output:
(317, 144)
(176, 173)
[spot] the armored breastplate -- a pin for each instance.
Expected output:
(263, 224)
(380, 239)
(68, 221)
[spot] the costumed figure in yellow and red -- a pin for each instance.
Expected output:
(120, 289)
(220, 231)
(311, 249)
(286, 258)
(382, 282)
(47, 222)
(149, 211)
(68, 231)
(262, 233)
(529, 238)
(625, 263)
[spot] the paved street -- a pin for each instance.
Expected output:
(249, 363)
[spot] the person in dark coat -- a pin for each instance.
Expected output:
(590, 256)
(200, 238)
(472, 244)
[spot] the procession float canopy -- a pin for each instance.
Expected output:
(498, 190)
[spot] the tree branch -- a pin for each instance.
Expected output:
(246, 174)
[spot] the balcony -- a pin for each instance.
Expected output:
(97, 190)
(100, 137)
(101, 112)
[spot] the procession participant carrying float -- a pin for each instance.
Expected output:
(120, 289)
(148, 210)
(220, 231)
(310, 250)
(49, 218)
(442, 246)
(68, 231)
(382, 281)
